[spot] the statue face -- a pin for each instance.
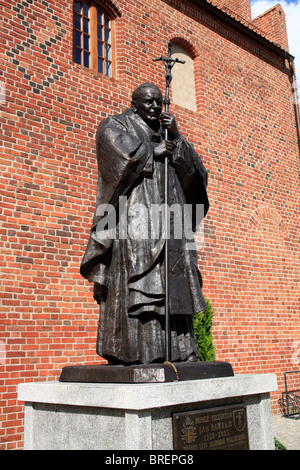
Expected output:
(148, 105)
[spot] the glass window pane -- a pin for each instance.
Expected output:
(99, 17)
(106, 22)
(86, 42)
(100, 32)
(77, 21)
(100, 48)
(100, 65)
(107, 35)
(107, 52)
(77, 38)
(86, 59)
(77, 56)
(77, 7)
(86, 25)
(108, 69)
(86, 9)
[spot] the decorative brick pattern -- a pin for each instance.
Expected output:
(245, 131)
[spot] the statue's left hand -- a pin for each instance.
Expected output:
(169, 122)
(164, 149)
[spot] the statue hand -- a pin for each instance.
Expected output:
(169, 122)
(164, 149)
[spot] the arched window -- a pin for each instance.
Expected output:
(183, 82)
(93, 38)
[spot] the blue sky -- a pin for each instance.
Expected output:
(292, 16)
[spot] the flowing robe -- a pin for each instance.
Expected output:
(127, 265)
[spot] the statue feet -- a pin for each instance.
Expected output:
(192, 358)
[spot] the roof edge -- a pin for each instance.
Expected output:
(244, 25)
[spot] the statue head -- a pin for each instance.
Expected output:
(147, 102)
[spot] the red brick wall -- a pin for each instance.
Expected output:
(246, 134)
(272, 22)
(241, 7)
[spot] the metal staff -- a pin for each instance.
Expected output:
(169, 63)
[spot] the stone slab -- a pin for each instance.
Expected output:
(145, 396)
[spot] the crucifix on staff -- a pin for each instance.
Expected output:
(169, 63)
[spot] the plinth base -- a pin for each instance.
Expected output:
(118, 416)
(149, 373)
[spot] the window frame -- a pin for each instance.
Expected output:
(94, 8)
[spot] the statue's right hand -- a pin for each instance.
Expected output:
(164, 149)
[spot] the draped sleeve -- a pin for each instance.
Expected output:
(122, 153)
(193, 178)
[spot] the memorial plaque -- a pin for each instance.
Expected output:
(221, 428)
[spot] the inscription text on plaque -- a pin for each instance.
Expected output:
(221, 428)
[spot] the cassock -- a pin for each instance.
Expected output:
(124, 257)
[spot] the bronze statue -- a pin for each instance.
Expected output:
(125, 253)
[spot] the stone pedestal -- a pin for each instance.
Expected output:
(74, 416)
